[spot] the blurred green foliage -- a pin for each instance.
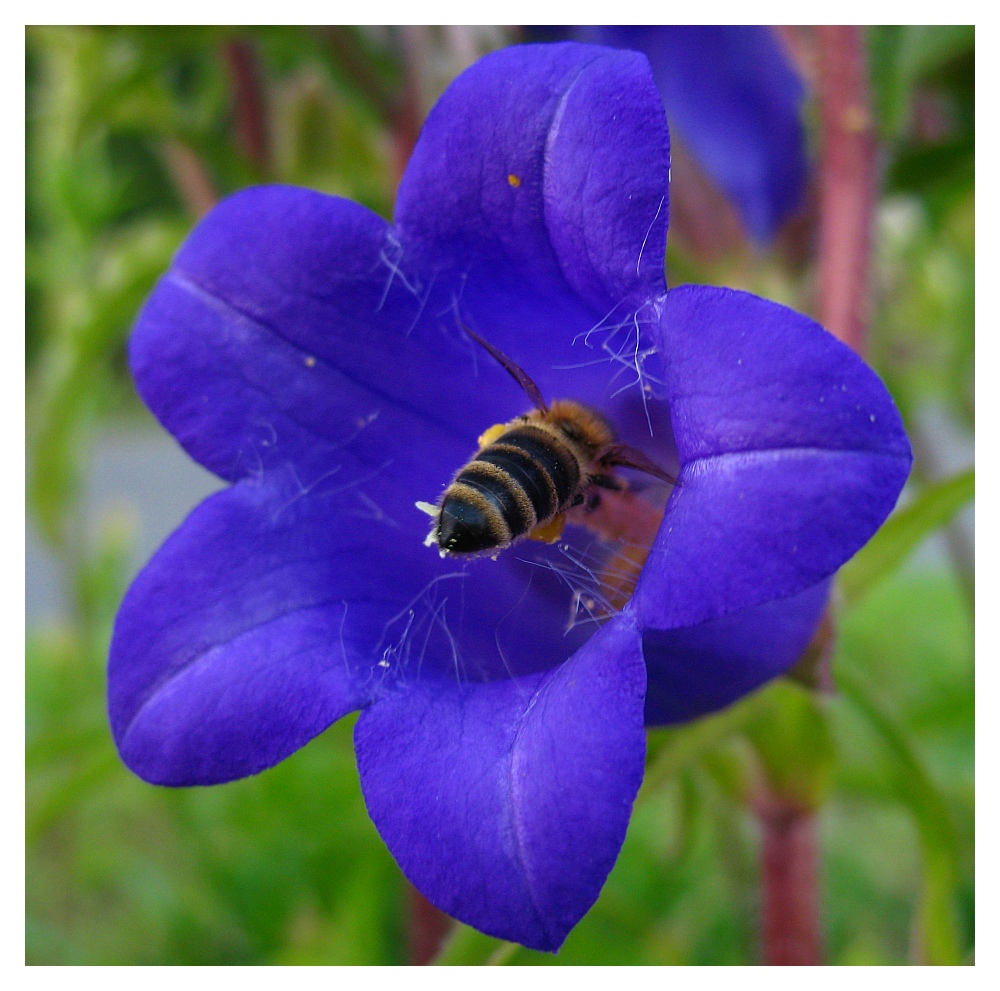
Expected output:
(131, 133)
(904, 532)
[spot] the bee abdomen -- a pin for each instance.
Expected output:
(502, 494)
(483, 508)
(522, 480)
(549, 459)
(522, 470)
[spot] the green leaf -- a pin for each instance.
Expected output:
(945, 169)
(923, 340)
(791, 736)
(672, 750)
(787, 727)
(903, 533)
(79, 363)
(902, 56)
(325, 143)
(938, 937)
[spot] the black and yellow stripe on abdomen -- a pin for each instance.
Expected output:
(499, 495)
(523, 471)
(520, 481)
(550, 459)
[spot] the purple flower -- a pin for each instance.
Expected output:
(734, 97)
(311, 354)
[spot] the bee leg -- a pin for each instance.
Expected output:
(550, 532)
(611, 482)
(629, 457)
(591, 497)
(588, 499)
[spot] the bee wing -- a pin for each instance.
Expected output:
(519, 374)
(626, 456)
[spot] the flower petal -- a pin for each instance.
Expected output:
(792, 455)
(288, 333)
(519, 169)
(270, 613)
(519, 203)
(235, 644)
(550, 241)
(320, 349)
(747, 374)
(734, 98)
(699, 669)
(506, 804)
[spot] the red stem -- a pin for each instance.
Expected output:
(190, 177)
(250, 106)
(426, 928)
(848, 184)
(409, 112)
(790, 874)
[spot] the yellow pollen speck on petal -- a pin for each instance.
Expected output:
(310, 361)
(514, 180)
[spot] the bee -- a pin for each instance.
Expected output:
(528, 473)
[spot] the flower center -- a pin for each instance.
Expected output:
(627, 523)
